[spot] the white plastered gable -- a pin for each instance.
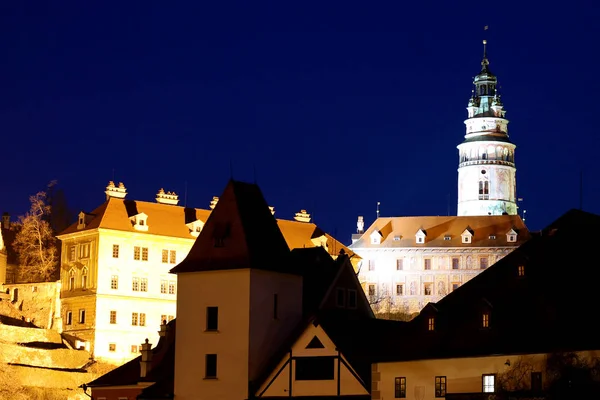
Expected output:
(420, 236)
(511, 236)
(467, 236)
(195, 227)
(313, 342)
(140, 222)
(375, 237)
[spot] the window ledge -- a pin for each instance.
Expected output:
(210, 378)
(211, 331)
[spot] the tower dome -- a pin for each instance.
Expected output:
(486, 170)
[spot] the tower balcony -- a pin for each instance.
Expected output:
(483, 161)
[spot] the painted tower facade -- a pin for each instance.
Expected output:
(486, 170)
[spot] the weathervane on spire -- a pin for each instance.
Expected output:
(485, 61)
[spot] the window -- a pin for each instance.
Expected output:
(71, 280)
(314, 368)
(142, 319)
(135, 284)
(351, 298)
(399, 290)
(371, 290)
(211, 366)
(466, 239)
(134, 348)
(447, 237)
(112, 347)
(170, 318)
(484, 190)
(163, 286)
(428, 289)
(34, 289)
(115, 251)
(399, 264)
(492, 237)
(136, 252)
(134, 319)
(144, 285)
(84, 250)
(371, 265)
(275, 305)
(72, 253)
(69, 318)
(427, 264)
(455, 286)
(521, 270)
(340, 298)
(212, 318)
(113, 317)
(485, 320)
(400, 387)
(114, 282)
(431, 324)
(82, 316)
(84, 276)
(455, 263)
(144, 254)
(511, 238)
(483, 263)
(171, 287)
(440, 386)
(420, 239)
(172, 257)
(165, 256)
(536, 381)
(489, 383)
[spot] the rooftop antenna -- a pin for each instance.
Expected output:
(378, 204)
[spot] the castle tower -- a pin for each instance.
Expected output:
(486, 170)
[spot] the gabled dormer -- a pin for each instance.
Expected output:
(320, 241)
(512, 236)
(484, 313)
(421, 236)
(83, 219)
(430, 315)
(467, 236)
(195, 227)
(376, 237)
(140, 222)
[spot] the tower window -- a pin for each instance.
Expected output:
(212, 318)
(211, 366)
(484, 190)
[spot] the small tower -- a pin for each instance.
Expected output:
(486, 169)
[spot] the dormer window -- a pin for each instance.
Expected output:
(396, 238)
(195, 227)
(447, 237)
(140, 222)
(81, 220)
(467, 236)
(431, 324)
(376, 237)
(485, 320)
(492, 237)
(511, 236)
(420, 236)
(521, 271)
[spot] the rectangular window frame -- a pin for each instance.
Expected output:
(114, 282)
(400, 387)
(455, 263)
(143, 284)
(427, 264)
(115, 251)
(399, 264)
(212, 319)
(113, 317)
(440, 386)
(210, 366)
(486, 386)
(137, 251)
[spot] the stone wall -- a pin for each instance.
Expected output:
(15, 334)
(40, 302)
(56, 358)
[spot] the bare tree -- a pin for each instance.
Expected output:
(518, 376)
(35, 242)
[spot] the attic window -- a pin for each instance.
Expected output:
(485, 320)
(140, 222)
(521, 270)
(396, 238)
(492, 237)
(431, 324)
(466, 239)
(420, 239)
(447, 237)
(511, 238)
(375, 239)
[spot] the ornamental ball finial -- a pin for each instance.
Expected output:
(484, 41)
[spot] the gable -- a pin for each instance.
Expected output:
(315, 371)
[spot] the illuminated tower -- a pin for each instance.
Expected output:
(486, 169)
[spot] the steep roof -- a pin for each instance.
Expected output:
(398, 232)
(534, 298)
(241, 232)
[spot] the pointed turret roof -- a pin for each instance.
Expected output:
(240, 233)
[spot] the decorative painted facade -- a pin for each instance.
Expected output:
(486, 171)
(408, 262)
(115, 282)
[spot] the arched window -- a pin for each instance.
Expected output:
(482, 153)
(71, 279)
(84, 278)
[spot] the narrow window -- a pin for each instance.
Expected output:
(172, 257)
(144, 285)
(82, 316)
(400, 387)
(115, 253)
(489, 383)
(371, 265)
(112, 347)
(134, 348)
(135, 284)
(113, 317)
(72, 253)
(171, 287)
(114, 282)
(84, 279)
(352, 299)
(142, 319)
(485, 320)
(71, 280)
(144, 254)
(428, 289)
(275, 305)
(521, 270)
(440, 386)
(136, 252)
(134, 319)
(371, 290)
(455, 263)
(340, 298)
(483, 263)
(165, 256)
(69, 317)
(399, 264)
(536, 382)
(212, 318)
(427, 264)
(211, 366)
(455, 286)
(163, 286)
(431, 324)
(399, 290)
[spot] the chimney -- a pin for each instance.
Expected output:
(163, 329)
(167, 198)
(302, 216)
(115, 191)
(5, 220)
(213, 203)
(146, 362)
(360, 229)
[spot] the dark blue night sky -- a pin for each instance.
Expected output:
(332, 106)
